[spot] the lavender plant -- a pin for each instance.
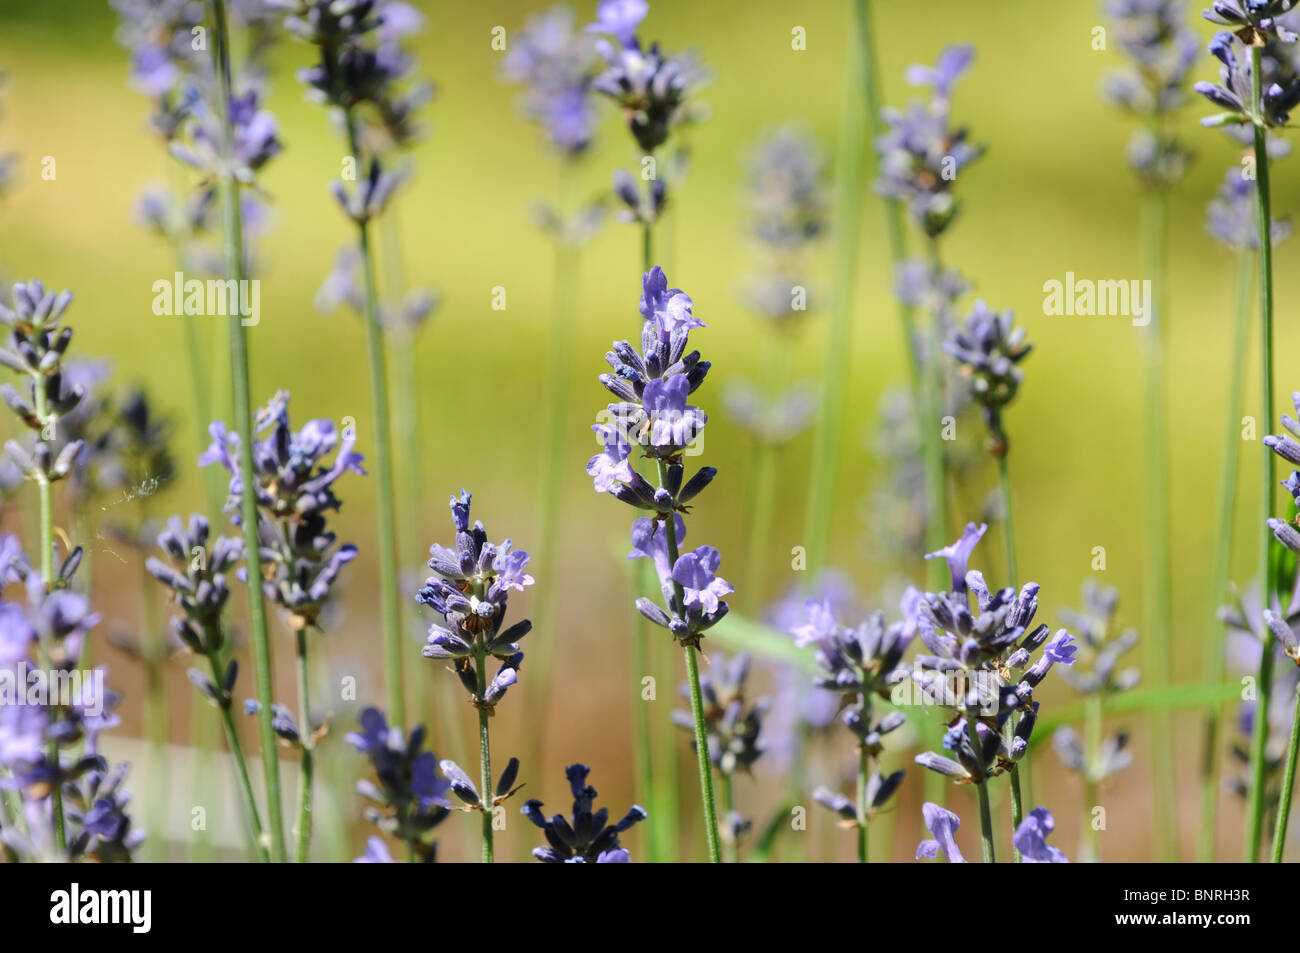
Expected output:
(733, 725)
(1160, 49)
(861, 665)
(362, 71)
(69, 805)
(1096, 756)
(651, 414)
(469, 590)
(195, 573)
(1248, 103)
(408, 800)
(1230, 219)
(1030, 838)
(587, 837)
(982, 670)
(922, 153)
(301, 557)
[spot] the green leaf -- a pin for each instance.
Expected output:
(1148, 699)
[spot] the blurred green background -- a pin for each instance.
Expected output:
(1052, 195)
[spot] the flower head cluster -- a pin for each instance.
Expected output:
(988, 349)
(1161, 49)
(1235, 91)
(196, 572)
(408, 798)
(1287, 446)
(587, 837)
(650, 86)
(158, 35)
(1230, 215)
(1095, 673)
(693, 591)
(732, 723)
(981, 666)
(1254, 20)
(554, 62)
(921, 153)
(50, 727)
(859, 665)
(295, 490)
(1030, 838)
(470, 591)
(786, 189)
(771, 422)
(253, 142)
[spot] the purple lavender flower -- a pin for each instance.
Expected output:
(1031, 839)
(650, 86)
(958, 554)
(988, 350)
(470, 591)
(1256, 19)
(553, 62)
(921, 154)
(1230, 215)
(295, 490)
(1234, 92)
(408, 798)
(587, 837)
(942, 825)
(1287, 447)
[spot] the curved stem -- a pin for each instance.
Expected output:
(1288, 784)
(387, 523)
(232, 217)
(1263, 220)
(1215, 649)
(241, 766)
(308, 744)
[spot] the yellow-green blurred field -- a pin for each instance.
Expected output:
(1052, 195)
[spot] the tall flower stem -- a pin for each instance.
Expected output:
(387, 528)
(484, 748)
(232, 217)
(1288, 784)
(1263, 219)
(697, 701)
(982, 791)
(47, 578)
(308, 743)
(848, 201)
(864, 772)
(241, 766)
(1221, 565)
(1092, 729)
(1159, 606)
(1013, 579)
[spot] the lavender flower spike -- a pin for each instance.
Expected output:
(588, 838)
(1031, 839)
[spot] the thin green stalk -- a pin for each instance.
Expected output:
(1263, 221)
(153, 652)
(848, 201)
(308, 745)
(387, 528)
(1222, 562)
(47, 577)
(232, 217)
(659, 839)
(1013, 579)
(697, 701)
(730, 849)
(1092, 731)
(241, 766)
(484, 749)
(1159, 604)
(1288, 783)
(864, 775)
(982, 791)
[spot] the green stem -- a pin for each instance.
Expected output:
(484, 749)
(387, 528)
(1013, 578)
(232, 217)
(1164, 790)
(1288, 783)
(308, 745)
(982, 791)
(1263, 221)
(864, 775)
(241, 766)
(645, 778)
(1092, 731)
(697, 701)
(1222, 562)
(848, 201)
